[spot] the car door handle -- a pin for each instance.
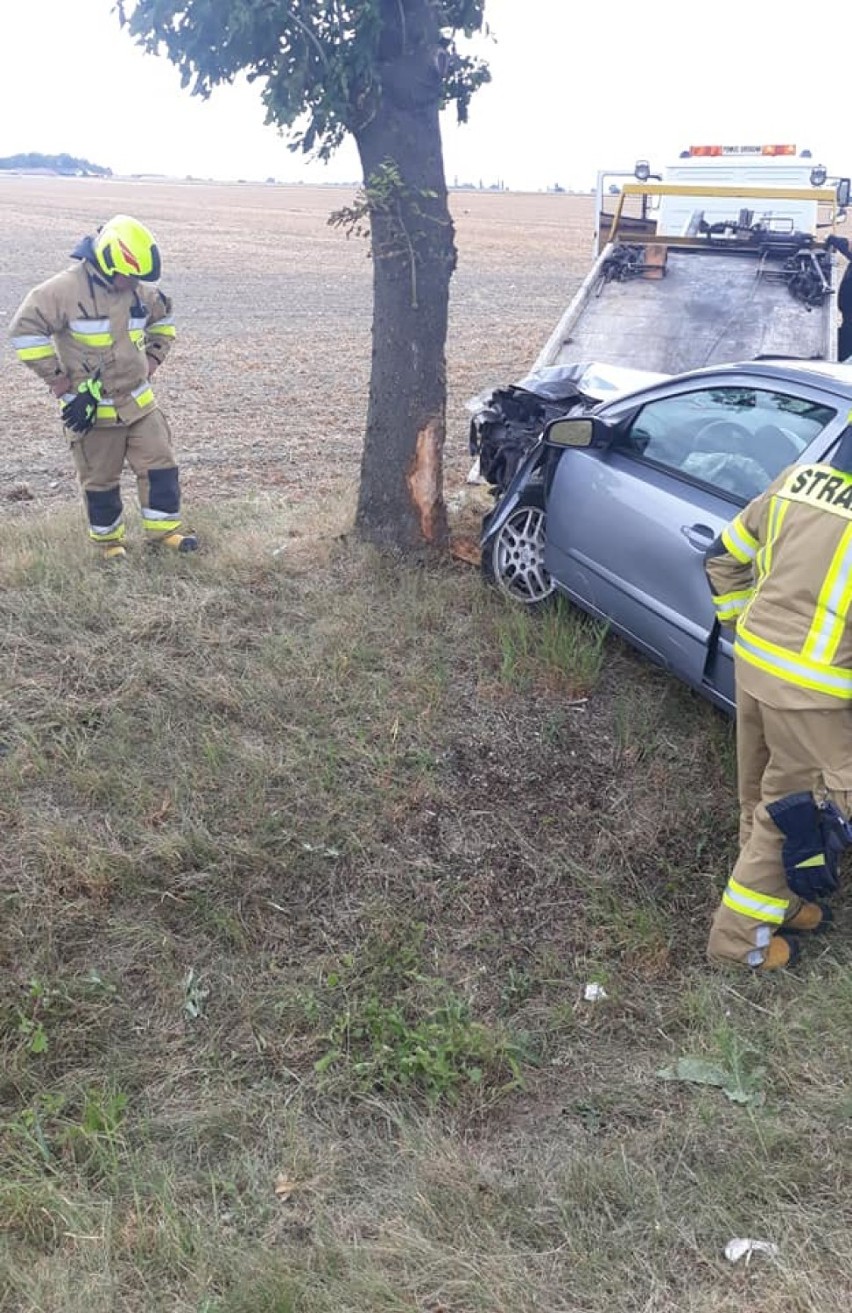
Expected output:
(699, 536)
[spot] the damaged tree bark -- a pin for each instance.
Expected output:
(412, 243)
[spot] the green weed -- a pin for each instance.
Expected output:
(391, 1027)
(559, 649)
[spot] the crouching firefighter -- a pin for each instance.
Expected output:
(781, 575)
(95, 334)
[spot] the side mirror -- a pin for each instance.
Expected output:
(586, 432)
(843, 193)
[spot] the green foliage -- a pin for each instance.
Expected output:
(737, 1071)
(34, 1033)
(53, 1126)
(29, 1021)
(386, 193)
(558, 647)
(330, 60)
(392, 1027)
(62, 163)
(382, 193)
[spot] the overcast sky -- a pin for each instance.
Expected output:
(575, 88)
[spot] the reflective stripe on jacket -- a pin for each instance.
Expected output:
(781, 574)
(77, 322)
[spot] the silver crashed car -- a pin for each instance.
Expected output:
(614, 507)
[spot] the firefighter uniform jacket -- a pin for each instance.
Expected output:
(781, 573)
(79, 322)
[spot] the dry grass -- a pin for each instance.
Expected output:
(301, 889)
(306, 856)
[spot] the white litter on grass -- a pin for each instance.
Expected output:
(593, 992)
(742, 1248)
(195, 995)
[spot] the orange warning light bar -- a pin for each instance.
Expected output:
(699, 152)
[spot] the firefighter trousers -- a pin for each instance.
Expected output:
(99, 458)
(778, 753)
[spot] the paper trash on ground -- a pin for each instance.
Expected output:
(740, 1247)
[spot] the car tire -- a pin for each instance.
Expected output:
(513, 560)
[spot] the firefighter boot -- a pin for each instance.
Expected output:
(181, 540)
(113, 552)
(783, 951)
(811, 918)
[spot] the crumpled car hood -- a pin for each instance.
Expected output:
(595, 379)
(506, 421)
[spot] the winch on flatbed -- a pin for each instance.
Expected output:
(720, 258)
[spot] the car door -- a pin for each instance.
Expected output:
(628, 527)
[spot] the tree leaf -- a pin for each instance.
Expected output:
(698, 1071)
(739, 1087)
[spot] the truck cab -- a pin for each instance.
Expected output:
(772, 169)
(716, 172)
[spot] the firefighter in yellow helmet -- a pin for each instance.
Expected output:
(95, 334)
(781, 574)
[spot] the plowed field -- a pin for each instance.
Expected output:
(267, 385)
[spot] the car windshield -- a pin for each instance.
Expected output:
(735, 438)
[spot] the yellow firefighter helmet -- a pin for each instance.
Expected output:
(125, 246)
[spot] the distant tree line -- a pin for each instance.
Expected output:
(63, 163)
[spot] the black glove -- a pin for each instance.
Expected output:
(80, 413)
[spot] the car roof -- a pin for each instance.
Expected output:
(831, 375)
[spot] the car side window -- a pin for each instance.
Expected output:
(736, 439)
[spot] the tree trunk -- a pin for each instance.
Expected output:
(413, 250)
